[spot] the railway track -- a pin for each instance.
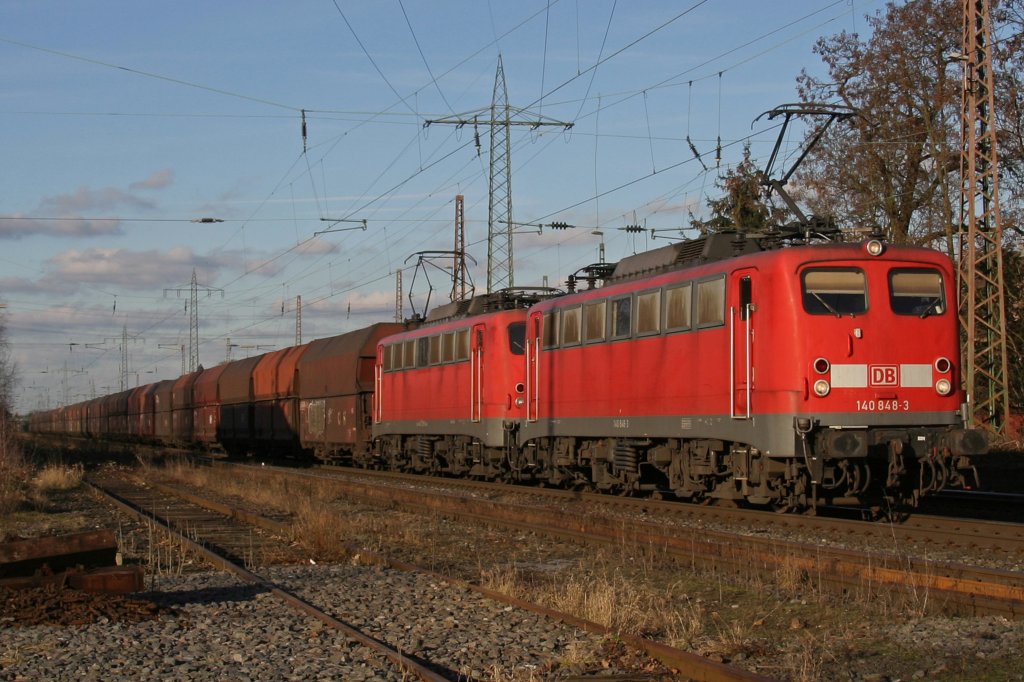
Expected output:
(220, 530)
(221, 541)
(948, 587)
(926, 531)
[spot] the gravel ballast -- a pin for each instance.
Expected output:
(217, 628)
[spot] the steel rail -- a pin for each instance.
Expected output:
(952, 587)
(291, 600)
(931, 531)
(692, 666)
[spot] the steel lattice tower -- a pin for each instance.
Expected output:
(193, 318)
(193, 326)
(298, 320)
(499, 204)
(499, 189)
(398, 296)
(460, 286)
(124, 358)
(982, 300)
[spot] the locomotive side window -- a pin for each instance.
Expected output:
(593, 321)
(621, 317)
(551, 329)
(422, 351)
(916, 292)
(448, 347)
(648, 313)
(835, 291)
(517, 338)
(711, 303)
(435, 350)
(677, 308)
(571, 326)
(386, 360)
(409, 353)
(462, 344)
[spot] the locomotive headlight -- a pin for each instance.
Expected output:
(943, 387)
(874, 247)
(520, 402)
(821, 388)
(943, 365)
(821, 366)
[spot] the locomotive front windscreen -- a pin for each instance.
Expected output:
(835, 291)
(916, 292)
(517, 338)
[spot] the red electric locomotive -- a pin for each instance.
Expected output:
(715, 369)
(449, 395)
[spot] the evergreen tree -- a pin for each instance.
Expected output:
(742, 205)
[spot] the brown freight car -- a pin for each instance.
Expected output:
(206, 406)
(335, 392)
(162, 410)
(234, 388)
(275, 381)
(182, 409)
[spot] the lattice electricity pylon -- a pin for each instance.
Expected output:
(502, 117)
(399, 313)
(193, 319)
(461, 285)
(298, 320)
(982, 302)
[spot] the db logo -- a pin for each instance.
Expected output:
(884, 375)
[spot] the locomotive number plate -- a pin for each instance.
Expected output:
(883, 405)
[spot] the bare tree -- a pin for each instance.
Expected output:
(890, 167)
(1008, 53)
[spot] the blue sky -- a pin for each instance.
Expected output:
(121, 122)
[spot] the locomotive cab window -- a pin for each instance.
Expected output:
(835, 291)
(917, 292)
(517, 338)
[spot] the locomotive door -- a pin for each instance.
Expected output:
(533, 340)
(378, 384)
(476, 373)
(741, 338)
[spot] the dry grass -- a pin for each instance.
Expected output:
(727, 612)
(54, 477)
